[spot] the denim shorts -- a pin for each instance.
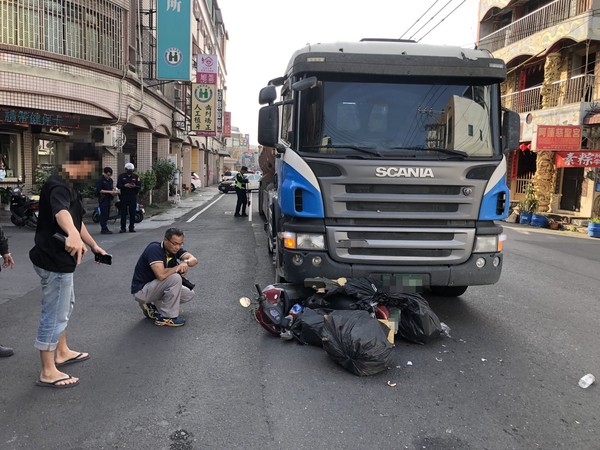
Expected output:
(58, 298)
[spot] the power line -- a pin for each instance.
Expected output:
(431, 18)
(436, 25)
(417, 21)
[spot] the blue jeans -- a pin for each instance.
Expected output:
(58, 298)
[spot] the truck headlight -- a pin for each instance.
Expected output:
(302, 241)
(488, 244)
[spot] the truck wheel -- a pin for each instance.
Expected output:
(448, 291)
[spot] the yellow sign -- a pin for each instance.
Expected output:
(204, 109)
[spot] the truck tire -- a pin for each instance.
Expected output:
(448, 291)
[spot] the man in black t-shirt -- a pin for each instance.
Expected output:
(60, 245)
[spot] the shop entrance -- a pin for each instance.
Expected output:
(571, 189)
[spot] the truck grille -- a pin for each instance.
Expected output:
(400, 245)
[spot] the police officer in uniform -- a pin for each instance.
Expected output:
(129, 185)
(106, 192)
(240, 189)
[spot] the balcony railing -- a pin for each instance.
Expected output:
(545, 17)
(563, 92)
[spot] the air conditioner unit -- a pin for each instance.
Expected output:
(105, 136)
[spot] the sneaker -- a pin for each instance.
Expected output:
(244, 215)
(123, 231)
(169, 321)
(149, 310)
(131, 230)
(106, 232)
(236, 215)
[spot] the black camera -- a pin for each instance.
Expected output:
(187, 283)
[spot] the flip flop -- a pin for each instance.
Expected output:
(55, 385)
(73, 360)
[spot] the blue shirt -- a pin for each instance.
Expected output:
(154, 253)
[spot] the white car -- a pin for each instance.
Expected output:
(253, 181)
(195, 181)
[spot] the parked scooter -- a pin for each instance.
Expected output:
(140, 212)
(23, 209)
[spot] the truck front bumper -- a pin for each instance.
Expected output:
(479, 269)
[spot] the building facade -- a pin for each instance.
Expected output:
(552, 52)
(85, 71)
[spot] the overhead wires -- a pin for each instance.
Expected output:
(428, 24)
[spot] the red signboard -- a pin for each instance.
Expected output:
(587, 159)
(558, 137)
(227, 124)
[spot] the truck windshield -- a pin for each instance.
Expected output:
(392, 120)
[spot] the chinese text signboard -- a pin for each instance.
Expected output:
(577, 159)
(43, 118)
(204, 106)
(558, 137)
(227, 124)
(173, 40)
(220, 110)
(207, 70)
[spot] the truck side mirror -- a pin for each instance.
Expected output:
(511, 130)
(268, 126)
(267, 95)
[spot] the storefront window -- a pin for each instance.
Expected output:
(10, 155)
(46, 153)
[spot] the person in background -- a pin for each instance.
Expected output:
(129, 185)
(240, 189)
(60, 246)
(105, 191)
(7, 262)
(158, 284)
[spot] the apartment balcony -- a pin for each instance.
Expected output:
(565, 17)
(561, 93)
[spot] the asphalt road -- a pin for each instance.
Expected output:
(506, 378)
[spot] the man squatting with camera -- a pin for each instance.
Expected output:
(159, 284)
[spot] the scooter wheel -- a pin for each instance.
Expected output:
(95, 217)
(138, 217)
(16, 222)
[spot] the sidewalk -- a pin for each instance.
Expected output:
(581, 233)
(152, 220)
(190, 201)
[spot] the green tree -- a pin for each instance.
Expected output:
(148, 181)
(165, 170)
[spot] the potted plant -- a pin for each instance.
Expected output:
(594, 227)
(528, 205)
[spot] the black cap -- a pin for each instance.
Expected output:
(244, 168)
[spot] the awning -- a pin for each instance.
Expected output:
(592, 118)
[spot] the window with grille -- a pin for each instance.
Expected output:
(90, 30)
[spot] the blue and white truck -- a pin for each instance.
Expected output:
(390, 164)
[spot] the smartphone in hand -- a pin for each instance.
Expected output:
(103, 259)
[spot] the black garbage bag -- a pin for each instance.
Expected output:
(418, 323)
(356, 293)
(360, 288)
(357, 342)
(308, 326)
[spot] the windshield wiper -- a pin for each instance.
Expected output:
(369, 151)
(445, 151)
